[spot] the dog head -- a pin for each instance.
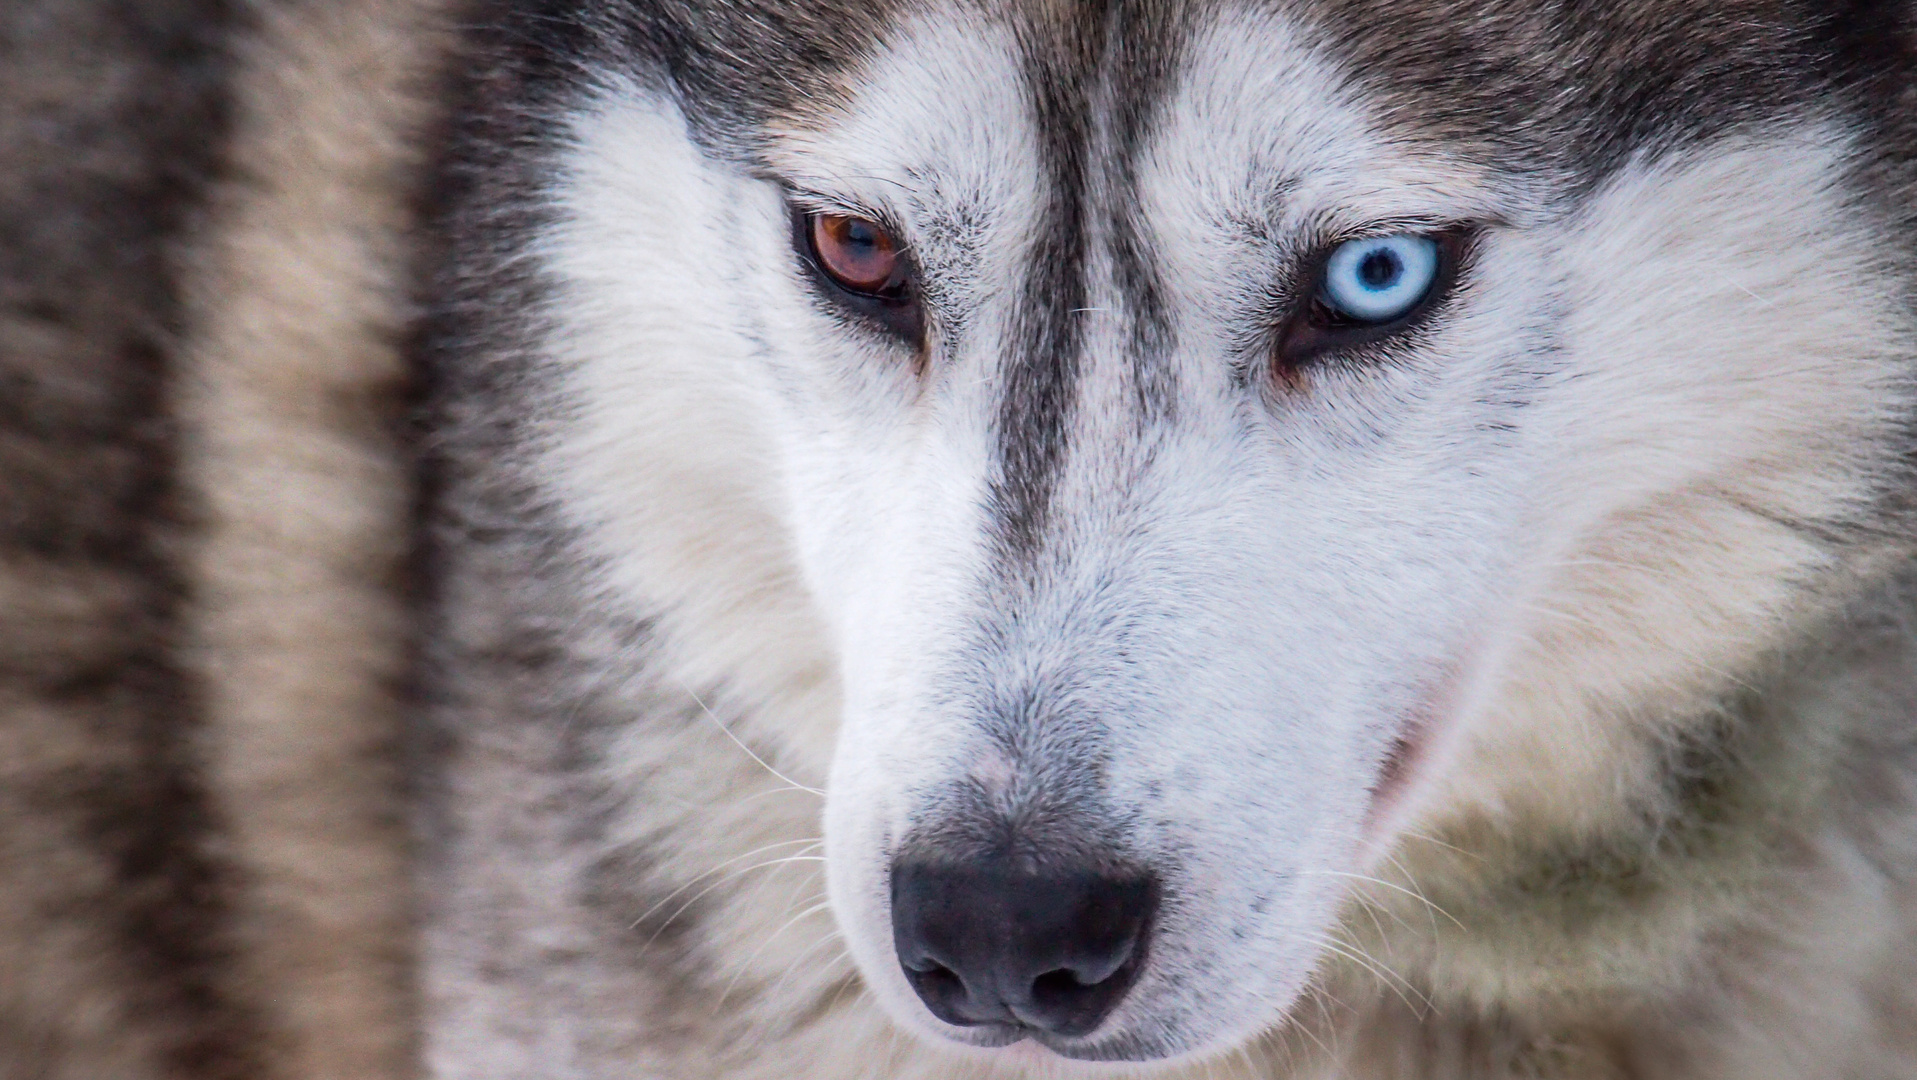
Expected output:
(1209, 440)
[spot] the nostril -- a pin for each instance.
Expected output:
(1058, 989)
(1074, 990)
(1061, 981)
(936, 982)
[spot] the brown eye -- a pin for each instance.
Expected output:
(859, 255)
(860, 267)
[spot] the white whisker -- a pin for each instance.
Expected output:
(714, 717)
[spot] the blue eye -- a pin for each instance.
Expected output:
(1381, 278)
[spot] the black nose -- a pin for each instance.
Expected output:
(989, 944)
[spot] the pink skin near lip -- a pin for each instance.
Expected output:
(1431, 723)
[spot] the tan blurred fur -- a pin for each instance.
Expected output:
(292, 395)
(204, 298)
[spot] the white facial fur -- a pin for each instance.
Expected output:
(1240, 607)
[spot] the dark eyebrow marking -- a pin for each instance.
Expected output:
(1041, 372)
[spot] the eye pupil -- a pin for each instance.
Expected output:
(1379, 269)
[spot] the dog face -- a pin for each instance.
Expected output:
(1203, 463)
(1120, 532)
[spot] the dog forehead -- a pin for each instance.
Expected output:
(1527, 84)
(938, 118)
(1579, 87)
(973, 117)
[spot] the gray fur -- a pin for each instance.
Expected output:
(115, 941)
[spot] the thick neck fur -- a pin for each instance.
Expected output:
(1610, 950)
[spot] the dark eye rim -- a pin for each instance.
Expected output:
(1315, 331)
(895, 309)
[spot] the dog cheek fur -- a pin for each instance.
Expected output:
(1658, 789)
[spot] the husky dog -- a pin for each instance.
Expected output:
(1245, 538)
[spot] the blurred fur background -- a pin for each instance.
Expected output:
(203, 534)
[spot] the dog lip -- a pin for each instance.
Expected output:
(1400, 761)
(1101, 1051)
(1407, 753)
(994, 1037)
(990, 1036)
(1021, 1040)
